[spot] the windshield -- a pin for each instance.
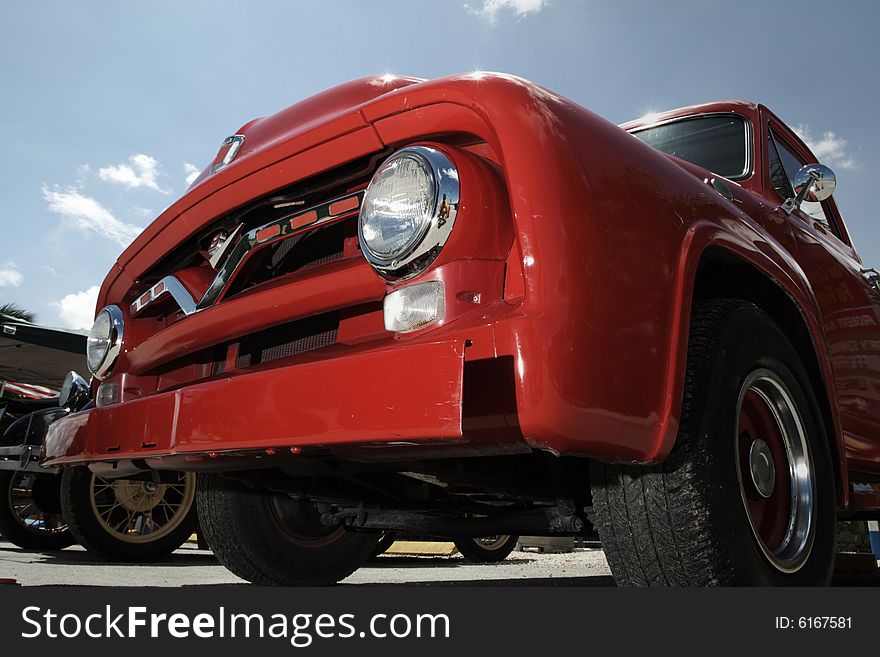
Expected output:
(717, 142)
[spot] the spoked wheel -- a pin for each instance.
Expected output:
(748, 494)
(129, 519)
(31, 513)
(776, 471)
(275, 540)
(486, 549)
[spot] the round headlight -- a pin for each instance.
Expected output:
(408, 210)
(398, 205)
(105, 341)
(74, 392)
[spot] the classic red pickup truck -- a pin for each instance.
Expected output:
(470, 307)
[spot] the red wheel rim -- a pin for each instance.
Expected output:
(770, 514)
(775, 470)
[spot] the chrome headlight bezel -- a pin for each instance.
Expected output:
(74, 392)
(101, 367)
(423, 247)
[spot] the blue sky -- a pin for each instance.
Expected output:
(107, 106)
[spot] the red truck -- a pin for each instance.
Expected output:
(471, 307)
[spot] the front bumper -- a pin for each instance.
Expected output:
(23, 458)
(396, 395)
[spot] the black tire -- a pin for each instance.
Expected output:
(686, 522)
(274, 540)
(489, 549)
(44, 494)
(82, 497)
(386, 540)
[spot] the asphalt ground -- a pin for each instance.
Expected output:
(190, 566)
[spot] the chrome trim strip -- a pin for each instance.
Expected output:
(168, 285)
(215, 259)
(275, 231)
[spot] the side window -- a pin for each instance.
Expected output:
(778, 176)
(783, 166)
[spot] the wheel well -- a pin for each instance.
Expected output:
(722, 274)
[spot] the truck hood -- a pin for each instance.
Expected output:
(318, 118)
(308, 114)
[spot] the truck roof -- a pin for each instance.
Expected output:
(740, 106)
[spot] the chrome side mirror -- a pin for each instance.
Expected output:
(813, 183)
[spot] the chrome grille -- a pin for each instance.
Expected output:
(295, 254)
(255, 247)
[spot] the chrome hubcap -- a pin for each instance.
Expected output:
(492, 542)
(762, 468)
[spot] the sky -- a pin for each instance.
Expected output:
(107, 108)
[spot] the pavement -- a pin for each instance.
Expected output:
(190, 566)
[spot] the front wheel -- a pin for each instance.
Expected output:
(30, 515)
(274, 540)
(747, 496)
(487, 549)
(134, 519)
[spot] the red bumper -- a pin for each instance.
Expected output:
(401, 393)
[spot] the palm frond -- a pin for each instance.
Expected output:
(17, 312)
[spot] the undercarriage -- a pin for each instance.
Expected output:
(531, 494)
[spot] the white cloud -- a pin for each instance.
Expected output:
(829, 148)
(141, 171)
(77, 310)
(491, 8)
(89, 214)
(191, 171)
(10, 276)
(83, 171)
(146, 213)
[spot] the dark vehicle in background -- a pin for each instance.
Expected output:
(41, 508)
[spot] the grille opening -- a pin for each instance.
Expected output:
(294, 254)
(288, 340)
(337, 328)
(270, 344)
(348, 177)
